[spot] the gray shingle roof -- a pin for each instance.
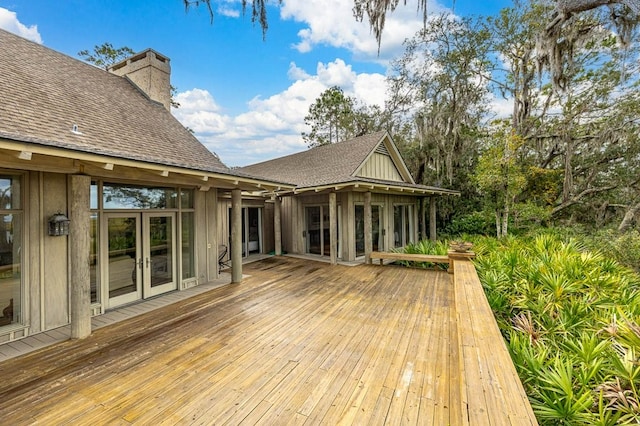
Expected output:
(323, 165)
(43, 93)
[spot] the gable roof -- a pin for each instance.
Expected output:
(46, 93)
(322, 165)
(339, 164)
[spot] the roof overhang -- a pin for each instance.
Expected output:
(30, 156)
(382, 188)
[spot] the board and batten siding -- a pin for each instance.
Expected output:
(380, 166)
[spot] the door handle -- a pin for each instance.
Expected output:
(148, 262)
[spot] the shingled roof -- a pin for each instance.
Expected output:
(322, 165)
(45, 93)
(332, 164)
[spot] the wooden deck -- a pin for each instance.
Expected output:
(298, 342)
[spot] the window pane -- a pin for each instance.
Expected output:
(397, 226)
(93, 257)
(359, 217)
(186, 198)
(93, 197)
(135, 197)
(10, 251)
(188, 229)
(10, 192)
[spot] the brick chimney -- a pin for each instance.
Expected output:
(151, 72)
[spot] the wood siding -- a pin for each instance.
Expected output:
(380, 166)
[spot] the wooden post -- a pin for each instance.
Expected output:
(79, 237)
(277, 226)
(236, 236)
(333, 228)
(432, 218)
(368, 228)
(423, 218)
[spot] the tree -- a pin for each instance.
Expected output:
(499, 176)
(439, 85)
(105, 55)
(376, 12)
(258, 10)
(331, 117)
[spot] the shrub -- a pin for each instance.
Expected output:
(570, 318)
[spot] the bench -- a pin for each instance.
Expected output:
(431, 258)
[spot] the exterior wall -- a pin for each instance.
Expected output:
(268, 237)
(380, 166)
(44, 260)
(293, 219)
(224, 226)
(55, 254)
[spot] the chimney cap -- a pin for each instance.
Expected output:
(147, 53)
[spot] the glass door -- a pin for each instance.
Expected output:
(123, 261)
(314, 230)
(159, 253)
(376, 229)
(140, 251)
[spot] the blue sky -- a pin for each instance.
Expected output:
(245, 98)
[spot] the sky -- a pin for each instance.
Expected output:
(244, 96)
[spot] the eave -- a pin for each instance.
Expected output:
(32, 156)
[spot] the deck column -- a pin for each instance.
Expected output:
(236, 236)
(423, 218)
(333, 228)
(432, 218)
(277, 226)
(368, 228)
(79, 247)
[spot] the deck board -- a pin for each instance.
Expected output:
(297, 342)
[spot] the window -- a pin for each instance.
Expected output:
(11, 223)
(403, 225)
(131, 197)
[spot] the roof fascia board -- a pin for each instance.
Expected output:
(382, 188)
(109, 163)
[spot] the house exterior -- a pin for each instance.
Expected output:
(140, 193)
(350, 198)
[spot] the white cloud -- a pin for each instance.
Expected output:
(272, 127)
(331, 22)
(9, 21)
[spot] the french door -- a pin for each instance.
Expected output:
(377, 231)
(140, 256)
(317, 233)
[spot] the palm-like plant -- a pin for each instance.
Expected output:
(566, 315)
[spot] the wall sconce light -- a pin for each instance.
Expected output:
(58, 225)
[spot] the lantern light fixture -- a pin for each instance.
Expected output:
(59, 225)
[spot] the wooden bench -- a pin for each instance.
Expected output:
(431, 258)
(492, 393)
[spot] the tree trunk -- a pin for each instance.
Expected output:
(567, 185)
(498, 224)
(628, 218)
(505, 220)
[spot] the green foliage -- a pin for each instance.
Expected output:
(425, 247)
(331, 118)
(625, 248)
(570, 319)
(105, 55)
(479, 223)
